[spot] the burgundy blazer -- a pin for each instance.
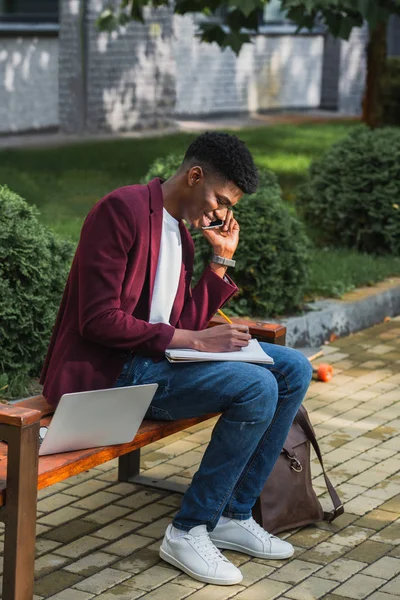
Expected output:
(105, 308)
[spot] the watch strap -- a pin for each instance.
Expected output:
(220, 260)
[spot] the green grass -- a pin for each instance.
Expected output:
(65, 182)
(335, 272)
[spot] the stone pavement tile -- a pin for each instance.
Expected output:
(309, 537)
(128, 544)
(348, 491)
(152, 578)
(382, 596)
(86, 488)
(163, 470)
(383, 432)
(107, 466)
(360, 586)
(377, 454)
(363, 504)
(376, 519)
(384, 490)
(265, 590)
(351, 536)
(295, 571)
(395, 551)
(80, 547)
(107, 514)
(120, 592)
(311, 589)
(390, 465)
(253, 572)
(61, 516)
(361, 444)
(172, 591)
(55, 582)
(75, 479)
(53, 489)
(54, 502)
(200, 437)
(149, 513)
(369, 551)
(393, 505)
(324, 553)
(188, 459)
(155, 529)
(390, 534)
(139, 499)
(70, 531)
(216, 592)
(152, 459)
(391, 444)
(339, 456)
(70, 594)
(90, 564)
(392, 587)
(123, 488)
(40, 530)
(96, 500)
(44, 546)
(182, 446)
(386, 568)
(138, 561)
(101, 581)
(110, 476)
(116, 529)
(187, 581)
(174, 500)
(341, 569)
(48, 563)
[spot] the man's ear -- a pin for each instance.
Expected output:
(195, 176)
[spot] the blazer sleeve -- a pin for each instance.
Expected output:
(203, 301)
(106, 238)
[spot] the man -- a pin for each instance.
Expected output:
(128, 298)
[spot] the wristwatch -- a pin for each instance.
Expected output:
(220, 260)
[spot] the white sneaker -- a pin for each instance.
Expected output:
(197, 556)
(249, 537)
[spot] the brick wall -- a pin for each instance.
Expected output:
(28, 83)
(280, 71)
(115, 81)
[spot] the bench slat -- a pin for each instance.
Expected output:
(57, 467)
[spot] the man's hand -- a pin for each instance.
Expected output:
(220, 338)
(225, 239)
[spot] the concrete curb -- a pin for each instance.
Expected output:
(341, 317)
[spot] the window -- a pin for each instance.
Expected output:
(29, 11)
(273, 14)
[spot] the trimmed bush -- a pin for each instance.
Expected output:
(352, 196)
(34, 265)
(391, 92)
(273, 254)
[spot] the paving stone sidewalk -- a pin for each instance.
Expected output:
(98, 538)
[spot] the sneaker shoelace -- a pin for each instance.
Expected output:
(253, 526)
(207, 549)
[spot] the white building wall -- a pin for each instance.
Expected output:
(352, 75)
(279, 71)
(28, 83)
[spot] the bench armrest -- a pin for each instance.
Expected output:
(274, 333)
(18, 416)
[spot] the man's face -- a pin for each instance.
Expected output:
(209, 198)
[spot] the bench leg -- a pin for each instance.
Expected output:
(19, 513)
(129, 466)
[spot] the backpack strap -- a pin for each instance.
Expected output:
(303, 421)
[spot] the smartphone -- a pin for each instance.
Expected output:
(214, 224)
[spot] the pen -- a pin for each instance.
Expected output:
(225, 317)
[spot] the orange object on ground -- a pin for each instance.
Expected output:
(324, 372)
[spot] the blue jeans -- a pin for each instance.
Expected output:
(258, 404)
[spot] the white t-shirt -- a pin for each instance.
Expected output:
(168, 270)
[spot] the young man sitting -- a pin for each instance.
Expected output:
(129, 297)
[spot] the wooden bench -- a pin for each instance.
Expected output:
(22, 472)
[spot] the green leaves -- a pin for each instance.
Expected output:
(238, 19)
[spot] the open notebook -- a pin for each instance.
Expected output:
(252, 353)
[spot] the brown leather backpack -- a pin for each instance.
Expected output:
(288, 499)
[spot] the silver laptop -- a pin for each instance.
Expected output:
(96, 418)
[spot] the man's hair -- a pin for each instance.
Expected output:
(227, 156)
